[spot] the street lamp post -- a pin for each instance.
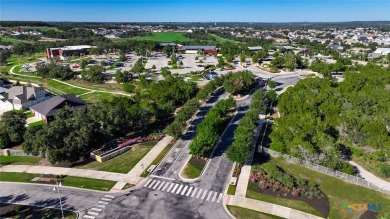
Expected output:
(57, 188)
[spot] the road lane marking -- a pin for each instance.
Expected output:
(174, 188)
(184, 190)
(214, 197)
(93, 213)
(189, 191)
(147, 182)
(89, 216)
(204, 194)
(219, 197)
(161, 177)
(209, 196)
(100, 206)
(109, 196)
(172, 184)
(96, 209)
(166, 186)
(105, 203)
(151, 184)
(155, 186)
(106, 199)
(193, 193)
(179, 189)
(161, 185)
(200, 191)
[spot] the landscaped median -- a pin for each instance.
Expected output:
(207, 134)
(72, 181)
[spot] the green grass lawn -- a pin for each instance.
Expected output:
(254, 193)
(87, 183)
(37, 123)
(96, 97)
(231, 190)
(11, 40)
(128, 186)
(17, 177)
(222, 40)
(19, 160)
(24, 211)
(29, 114)
(243, 213)
(166, 37)
(66, 88)
(337, 191)
(194, 168)
(122, 163)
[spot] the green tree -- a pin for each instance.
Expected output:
(4, 55)
(221, 62)
(83, 63)
(93, 74)
(239, 82)
(12, 128)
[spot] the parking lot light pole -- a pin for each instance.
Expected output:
(57, 187)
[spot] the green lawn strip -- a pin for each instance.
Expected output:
(222, 40)
(66, 88)
(128, 186)
(122, 163)
(157, 159)
(37, 123)
(95, 86)
(194, 168)
(243, 213)
(19, 160)
(96, 97)
(253, 192)
(231, 190)
(12, 40)
(25, 211)
(17, 177)
(166, 37)
(337, 191)
(29, 114)
(88, 183)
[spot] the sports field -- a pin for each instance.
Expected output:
(166, 37)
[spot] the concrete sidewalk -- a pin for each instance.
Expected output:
(371, 177)
(268, 208)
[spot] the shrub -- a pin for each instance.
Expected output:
(347, 168)
(384, 170)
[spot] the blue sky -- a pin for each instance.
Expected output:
(196, 10)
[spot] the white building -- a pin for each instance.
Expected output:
(383, 51)
(22, 97)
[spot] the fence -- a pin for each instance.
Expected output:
(15, 153)
(340, 175)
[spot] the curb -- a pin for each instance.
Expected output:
(225, 193)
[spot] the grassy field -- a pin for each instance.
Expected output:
(166, 37)
(337, 191)
(96, 96)
(19, 160)
(222, 40)
(253, 193)
(24, 211)
(37, 123)
(66, 88)
(17, 177)
(87, 183)
(194, 168)
(122, 163)
(11, 40)
(243, 213)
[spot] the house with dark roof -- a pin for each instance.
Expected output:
(22, 97)
(48, 108)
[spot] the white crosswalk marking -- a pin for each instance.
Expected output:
(166, 186)
(174, 188)
(184, 190)
(100, 206)
(209, 196)
(147, 182)
(193, 193)
(155, 186)
(219, 197)
(179, 189)
(151, 184)
(106, 199)
(161, 185)
(109, 196)
(89, 216)
(189, 191)
(104, 203)
(214, 197)
(93, 213)
(200, 191)
(204, 194)
(96, 209)
(169, 189)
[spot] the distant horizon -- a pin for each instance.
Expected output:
(264, 11)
